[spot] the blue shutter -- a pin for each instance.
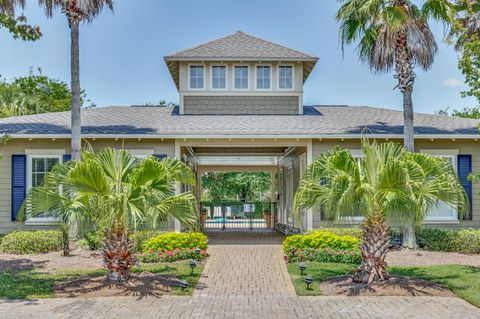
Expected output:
(464, 168)
(19, 183)
(160, 156)
(67, 157)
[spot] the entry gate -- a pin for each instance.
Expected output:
(237, 215)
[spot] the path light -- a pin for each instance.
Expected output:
(292, 250)
(198, 251)
(308, 281)
(302, 267)
(184, 284)
(192, 265)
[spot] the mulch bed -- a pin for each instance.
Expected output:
(395, 286)
(140, 285)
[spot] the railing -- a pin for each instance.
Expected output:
(234, 215)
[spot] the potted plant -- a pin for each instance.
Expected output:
(203, 217)
(268, 217)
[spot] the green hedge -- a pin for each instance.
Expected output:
(321, 239)
(171, 241)
(466, 241)
(94, 240)
(341, 231)
(31, 242)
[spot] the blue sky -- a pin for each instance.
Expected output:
(122, 52)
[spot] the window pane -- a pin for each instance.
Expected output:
(285, 77)
(219, 77)
(241, 77)
(263, 77)
(196, 77)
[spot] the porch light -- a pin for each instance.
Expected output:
(302, 267)
(183, 284)
(192, 265)
(308, 281)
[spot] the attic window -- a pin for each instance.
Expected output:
(264, 75)
(219, 77)
(240, 77)
(196, 77)
(285, 77)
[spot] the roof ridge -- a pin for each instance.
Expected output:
(202, 44)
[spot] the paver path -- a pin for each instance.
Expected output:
(245, 277)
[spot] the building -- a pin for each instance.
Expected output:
(240, 109)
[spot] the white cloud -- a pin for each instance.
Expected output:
(452, 83)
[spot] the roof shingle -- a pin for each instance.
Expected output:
(164, 122)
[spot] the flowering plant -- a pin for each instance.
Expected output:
(324, 255)
(153, 256)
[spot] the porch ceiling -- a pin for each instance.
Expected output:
(237, 160)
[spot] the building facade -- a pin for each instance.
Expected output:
(240, 109)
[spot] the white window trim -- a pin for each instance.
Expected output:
(271, 75)
(293, 77)
(204, 76)
(211, 77)
(40, 154)
(450, 153)
(248, 77)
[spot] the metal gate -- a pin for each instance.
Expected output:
(237, 215)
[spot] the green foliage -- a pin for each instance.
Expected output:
(31, 242)
(172, 255)
(388, 180)
(320, 239)
(173, 240)
(465, 241)
(356, 232)
(466, 112)
(325, 255)
(34, 94)
(112, 188)
(250, 186)
(139, 237)
(19, 28)
(94, 240)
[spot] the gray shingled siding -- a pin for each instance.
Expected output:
(229, 105)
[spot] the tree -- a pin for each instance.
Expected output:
(112, 190)
(248, 186)
(33, 94)
(388, 183)
(466, 112)
(465, 36)
(76, 11)
(17, 26)
(395, 35)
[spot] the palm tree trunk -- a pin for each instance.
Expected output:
(117, 254)
(409, 238)
(75, 87)
(376, 243)
(408, 121)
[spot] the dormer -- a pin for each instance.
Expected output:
(240, 74)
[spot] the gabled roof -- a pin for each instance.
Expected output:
(239, 47)
(164, 122)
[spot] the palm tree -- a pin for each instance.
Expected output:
(113, 191)
(394, 34)
(387, 184)
(76, 11)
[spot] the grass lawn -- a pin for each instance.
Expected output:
(464, 281)
(35, 284)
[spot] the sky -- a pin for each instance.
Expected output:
(121, 53)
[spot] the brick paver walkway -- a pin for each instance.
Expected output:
(245, 277)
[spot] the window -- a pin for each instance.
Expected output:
(196, 75)
(38, 166)
(263, 77)
(285, 77)
(240, 77)
(219, 77)
(441, 211)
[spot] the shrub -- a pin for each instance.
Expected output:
(94, 240)
(32, 242)
(342, 231)
(321, 239)
(325, 255)
(466, 241)
(170, 241)
(141, 236)
(172, 255)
